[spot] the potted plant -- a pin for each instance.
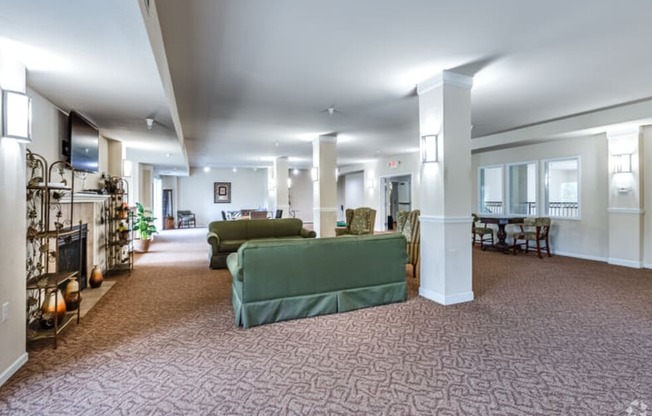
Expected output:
(144, 228)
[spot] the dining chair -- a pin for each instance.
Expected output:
(534, 234)
(481, 232)
(258, 215)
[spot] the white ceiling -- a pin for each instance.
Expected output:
(252, 80)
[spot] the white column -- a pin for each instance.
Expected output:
(446, 262)
(324, 161)
(282, 191)
(626, 226)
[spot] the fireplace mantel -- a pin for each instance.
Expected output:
(90, 209)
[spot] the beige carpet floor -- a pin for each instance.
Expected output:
(558, 336)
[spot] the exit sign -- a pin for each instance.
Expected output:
(394, 164)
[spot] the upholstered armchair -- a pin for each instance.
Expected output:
(407, 223)
(186, 219)
(358, 221)
(534, 234)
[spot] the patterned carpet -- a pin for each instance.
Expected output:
(557, 336)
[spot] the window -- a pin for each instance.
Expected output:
(562, 177)
(491, 190)
(522, 189)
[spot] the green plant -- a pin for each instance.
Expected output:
(144, 222)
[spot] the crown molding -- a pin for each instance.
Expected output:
(445, 78)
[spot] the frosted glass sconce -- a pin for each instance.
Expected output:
(314, 173)
(16, 116)
(429, 148)
(622, 163)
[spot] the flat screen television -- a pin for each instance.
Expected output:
(84, 142)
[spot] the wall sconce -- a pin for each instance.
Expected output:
(429, 148)
(370, 185)
(314, 173)
(289, 183)
(16, 116)
(622, 163)
(126, 168)
(272, 184)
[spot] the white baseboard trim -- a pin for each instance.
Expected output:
(615, 262)
(4, 376)
(580, 256)
(445, 300)
(625, 263)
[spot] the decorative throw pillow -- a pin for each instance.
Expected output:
(360, 223)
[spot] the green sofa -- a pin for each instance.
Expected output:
(277, 280)
(225, 237)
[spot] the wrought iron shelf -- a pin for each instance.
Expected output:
(49, 280)
(36, 332)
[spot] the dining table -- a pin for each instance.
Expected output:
(501, 221)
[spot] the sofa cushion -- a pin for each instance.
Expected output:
(231, 245)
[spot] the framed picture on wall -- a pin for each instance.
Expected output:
(222, 192)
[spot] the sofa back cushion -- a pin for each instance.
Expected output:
(247, 230)
(284, 268)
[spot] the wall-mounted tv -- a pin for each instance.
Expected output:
(84, 144)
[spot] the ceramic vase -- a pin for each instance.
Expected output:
(96, 278)
(54, 307)
(72, 295)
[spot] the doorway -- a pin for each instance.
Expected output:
(168, 209)
(398, 197)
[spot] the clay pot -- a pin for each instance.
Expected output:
(142, 246)
(96, 278)
(54, 307)
(72, 295)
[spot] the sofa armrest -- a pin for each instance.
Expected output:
(307, 233)
(234, 266)
(214, 240)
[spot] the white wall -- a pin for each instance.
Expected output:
(646, 174)
(353, 191)
(588, 236)
(248, 191)
(301, 195)
(13, 225)
(408, 164)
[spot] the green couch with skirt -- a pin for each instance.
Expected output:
(277, 280)
(225, 237)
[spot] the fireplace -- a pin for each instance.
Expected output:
(72, 254)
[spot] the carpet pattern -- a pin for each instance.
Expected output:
(557, 336)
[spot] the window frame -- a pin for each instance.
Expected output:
(508, 189)
(545, 187)
(480, 190)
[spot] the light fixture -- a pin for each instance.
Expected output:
(429, 148)
(295, 171)
(149, 122)
(272, 184)
(16, 116)
(289, 183)
(206, 169)
(622, 163)
(314, 173)
(126, 168)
